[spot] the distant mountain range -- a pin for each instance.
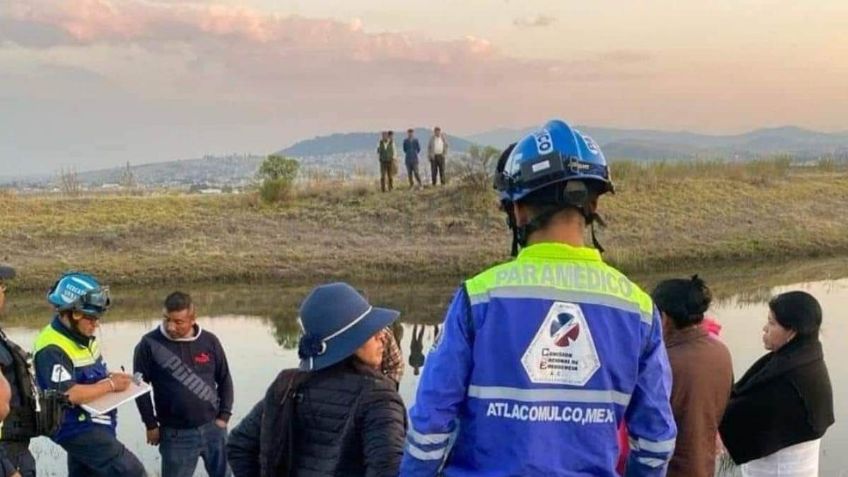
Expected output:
(363, 142)
(646, 144)
(354, 153)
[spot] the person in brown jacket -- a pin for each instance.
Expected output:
(702, 375)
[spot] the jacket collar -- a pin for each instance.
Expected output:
(351, 365)
(79, 339)
(197, 331)
(795, 354)
(559, 251)
(678, 337)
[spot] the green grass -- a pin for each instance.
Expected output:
(663, 217)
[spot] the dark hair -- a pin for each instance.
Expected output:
(391, 133)
(799, 311)
(684, 300)
(177, 301)
(410, 130)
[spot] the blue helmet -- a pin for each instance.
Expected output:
(78, 291)
(553, 154)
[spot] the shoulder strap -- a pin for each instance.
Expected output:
(276, 431)
(287, 383)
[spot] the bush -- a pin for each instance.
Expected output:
(275, 190)
(278, 174)
(476, 169)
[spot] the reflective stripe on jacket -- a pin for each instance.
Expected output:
(539, 361)
(57, 348)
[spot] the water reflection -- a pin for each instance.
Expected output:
(416, 349)
(419, 303)
(258, 327)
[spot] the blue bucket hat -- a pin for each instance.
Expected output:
(336, 321)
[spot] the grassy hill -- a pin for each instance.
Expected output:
(663, 217)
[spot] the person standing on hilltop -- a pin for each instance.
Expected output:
(437, 152)
(192, 391)
(411, 148)
(68, 360)
(386, 154)
(541, 358)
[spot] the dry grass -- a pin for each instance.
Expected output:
(726, 213)
(664, 217)
(649, 174)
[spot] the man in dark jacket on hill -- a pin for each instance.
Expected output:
(192, 389)
(411, 148)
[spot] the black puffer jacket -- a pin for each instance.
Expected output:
(349, 421)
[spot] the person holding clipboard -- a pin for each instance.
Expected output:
(68, 359)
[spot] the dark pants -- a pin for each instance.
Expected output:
(412, 171)
(98, 453)
(17, 455)
(180, 449)
(386, 175)
(437, 167)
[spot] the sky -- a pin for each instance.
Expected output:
(96, 83)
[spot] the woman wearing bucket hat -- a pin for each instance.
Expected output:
(335, 415)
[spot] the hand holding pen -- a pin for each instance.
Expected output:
(120, 381)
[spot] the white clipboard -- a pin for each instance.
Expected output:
(110, 401)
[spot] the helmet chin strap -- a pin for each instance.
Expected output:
(520, 234)
(517, 239)
(74, 324)
(592, 219)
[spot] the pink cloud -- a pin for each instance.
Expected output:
(317, 69)
(81, 21)
(105, 21)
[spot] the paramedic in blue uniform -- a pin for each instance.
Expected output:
(541, 358)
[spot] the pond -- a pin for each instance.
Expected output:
(257, 327)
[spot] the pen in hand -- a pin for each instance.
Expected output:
(136, 378)
(133, 378)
